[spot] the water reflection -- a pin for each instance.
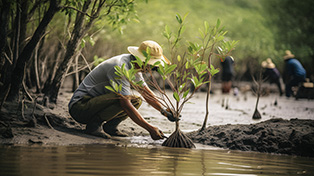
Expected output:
(112, 160)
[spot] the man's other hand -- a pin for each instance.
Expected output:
(168, 113)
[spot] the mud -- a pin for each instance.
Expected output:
(293, 137)
(286, 127)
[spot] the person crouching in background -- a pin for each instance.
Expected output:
(271, 74)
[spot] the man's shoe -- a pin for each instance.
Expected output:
(96, 130)
(111, 128)
(98, 134)
(113, 131)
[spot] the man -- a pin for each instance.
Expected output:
(294, 72)
(92, 104)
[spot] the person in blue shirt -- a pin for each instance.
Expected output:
(294, 72)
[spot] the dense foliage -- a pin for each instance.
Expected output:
(264, 28)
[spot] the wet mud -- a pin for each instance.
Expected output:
(286, 126)
(293, 137)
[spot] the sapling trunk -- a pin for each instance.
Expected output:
(178, 139)
(256, 114)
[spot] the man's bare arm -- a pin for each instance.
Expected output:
(151, 98)
(133, 113)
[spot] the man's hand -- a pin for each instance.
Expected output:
(167, 113)
(157, 134)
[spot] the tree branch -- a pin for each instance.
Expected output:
(84, 13)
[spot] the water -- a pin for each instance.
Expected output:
(156, 160)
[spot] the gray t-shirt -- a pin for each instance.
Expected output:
(94, 83)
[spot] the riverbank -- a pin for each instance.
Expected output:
(292, 137)
(230, 125)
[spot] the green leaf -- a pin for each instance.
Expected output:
(83, 43)
(110, 88)
(185, 15)
(179, 19)
(176, 96)
(170, 69)
(206, 27)
(213, 71)
(91, 40)
(179, 58)
(186, 93)
(181, 87)
(138, 61)
(218, 23)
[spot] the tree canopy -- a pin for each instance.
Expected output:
(45, 41)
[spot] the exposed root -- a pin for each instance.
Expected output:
(178, 139)
(256, 115)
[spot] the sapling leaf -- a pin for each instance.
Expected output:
(167, 32)
(170, 69)
(186, 93)
(179, 58)
(218, 23)
(187, 65)
(181, 87)
(176, 96)
(185, 15)
(213, 70)
(206, 26)
(110, 88)
(138, 61)
(118, 71)
(201, 33)
(179, 19)
(157, 63)
(140, 83)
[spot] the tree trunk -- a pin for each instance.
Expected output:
(76, 37)
(207, 96)
(4, 18)
(18, 72)
(4, 77)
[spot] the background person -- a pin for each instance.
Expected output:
(272, 74)
(227, 74)
(294, 72)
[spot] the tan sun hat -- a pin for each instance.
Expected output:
(268, 63)
(155, 52)
(288, 55)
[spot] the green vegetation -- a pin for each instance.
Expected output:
(41, 36)
(187, 72)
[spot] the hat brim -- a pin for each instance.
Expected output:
(288, 56)
(271, 65)
(135, 52)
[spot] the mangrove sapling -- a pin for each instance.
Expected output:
(183, 70)
(213, 44)
(258, 92)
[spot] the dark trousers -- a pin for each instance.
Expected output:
(293, 82)
(101, 108)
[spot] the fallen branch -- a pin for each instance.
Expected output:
(47, 121)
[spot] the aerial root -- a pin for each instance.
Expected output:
(178, 139)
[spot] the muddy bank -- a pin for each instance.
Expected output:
(54, 126)
(45, 126)
(293, 137)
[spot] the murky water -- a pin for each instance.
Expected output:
(113, 160)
